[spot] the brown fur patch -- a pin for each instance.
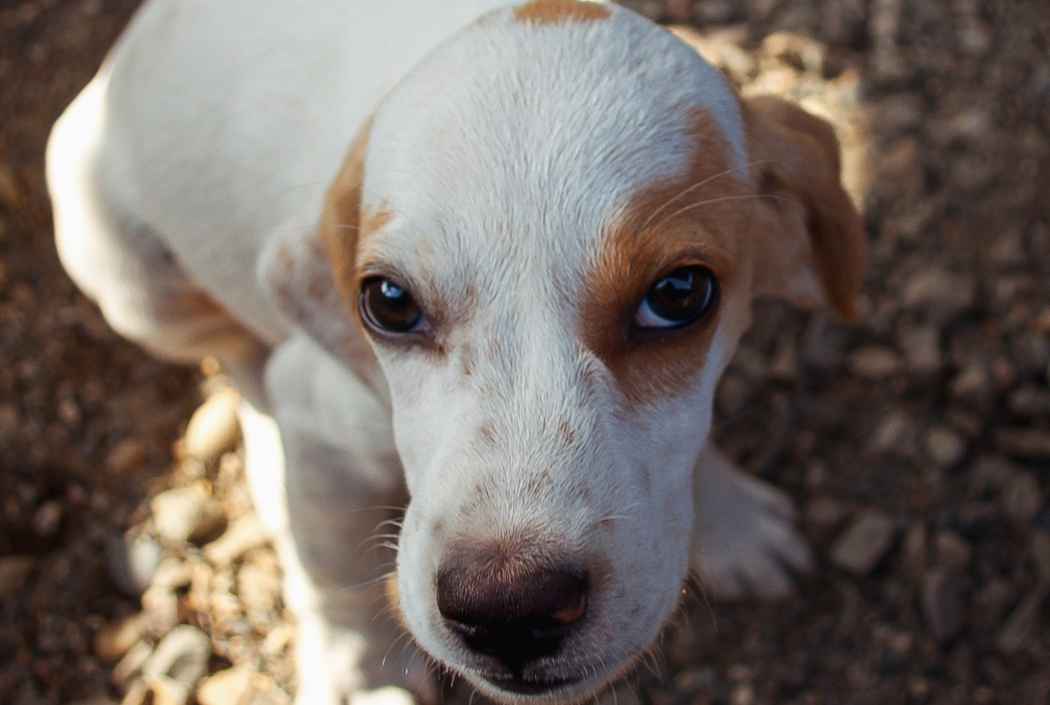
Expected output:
(393, 598)
(560, 11)
(694, 219)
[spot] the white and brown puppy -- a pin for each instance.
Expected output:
(494, 260)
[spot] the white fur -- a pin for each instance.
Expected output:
(213, 131)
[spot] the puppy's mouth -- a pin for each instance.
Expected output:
(540, 686)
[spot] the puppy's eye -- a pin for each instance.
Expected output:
(389, 307)
(678, 299)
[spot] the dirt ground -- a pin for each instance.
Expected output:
(916, 443)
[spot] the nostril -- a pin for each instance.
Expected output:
(514, 616)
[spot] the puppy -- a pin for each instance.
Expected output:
(489, 261)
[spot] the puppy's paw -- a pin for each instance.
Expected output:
(744, 538)
(347, 667)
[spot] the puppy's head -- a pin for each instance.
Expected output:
(551, 233)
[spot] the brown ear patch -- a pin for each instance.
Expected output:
(815, 248)
(560, 11)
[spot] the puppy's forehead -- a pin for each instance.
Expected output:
(540, 123)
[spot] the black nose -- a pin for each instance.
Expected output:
(510, 610)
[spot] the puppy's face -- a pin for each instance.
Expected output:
(551, 233)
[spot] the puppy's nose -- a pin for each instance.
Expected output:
(510, 610)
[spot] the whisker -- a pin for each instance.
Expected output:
(693, 187)
(721, 199)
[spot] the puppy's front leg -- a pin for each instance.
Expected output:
(341, 481)
(744, 538)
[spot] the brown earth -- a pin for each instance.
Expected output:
(916, 443)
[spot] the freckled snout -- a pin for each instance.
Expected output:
(515, 609)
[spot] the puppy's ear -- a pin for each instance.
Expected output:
(811, 245)
(309, 274)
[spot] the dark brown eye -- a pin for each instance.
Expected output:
(389, 307)
(678, 299)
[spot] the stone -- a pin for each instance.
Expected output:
(182, 656)
(945, 446)
(942, 604)
(922, 348)
(1040, 550)
(161, 607)
(243, 535)
(824, 512)
(861, 546)
(126, 456)
(14, 571)
(389, 695)
(186, 514)
(130, 666)
(874, 362)
(1022, 498)
(940, 293)
(47, 519)
(1029, 443)
(1030, 402)
(258, 588)
(894, 434)
(915, 549)
(213, 429)
(990, 475)
(116, 639)
(952, 551)
(1023, 621)
(167, 691)
(972, 383)
(132, 562)
(230, 687)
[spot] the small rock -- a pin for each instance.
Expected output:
(940, 292)
(922, 348)
(942, 604)
(167, 691)
(1022, 621)
(242, 536)
(824, 512)
(895, 433)
(1022, 498)
(902, 164)
(126, 456)
(172, 574)
(130, 667)
(795, 50)
(114, 640)
(972, 383)
(230, 687)
(213, 429)
(1028, 443)
(873, 362)
(860, 548)
(47, 519)
(914, 550)
(186, 514)
(132, 563)
(14, 570)
(259, 589)
(137, 694)
(389, 695)
(182, 656)
(953, 553)
(162, 609)
(945, 446)
(1030, 402)
(1040, 550)
(990, 475)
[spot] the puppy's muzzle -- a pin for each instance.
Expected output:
(511, 611)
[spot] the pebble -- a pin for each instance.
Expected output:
(243, 535)
(1028, 443)
(186, 514)
(230, 687)
(824, 512)
(867, 540)
(182, 656)
(114, 640)
(129, 667)
(1040, 550)
(384, 696)
(1022, 621)
(1030, 402)
(162, 609)
(971, 383)
(213, 429)
(922, 348)
(939, 292)
(895, 433)
(259, 589)
(945, 446)
(914, 550)
(132, 563)
(990, 475)
(952, 551)
(942, 604)
(14, 570)
(126, 456)
(167, 691)
(874, 362)
(1022, 498)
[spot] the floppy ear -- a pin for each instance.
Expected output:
(308, 275)
(811, 244)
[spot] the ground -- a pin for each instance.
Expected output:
(916, 441)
